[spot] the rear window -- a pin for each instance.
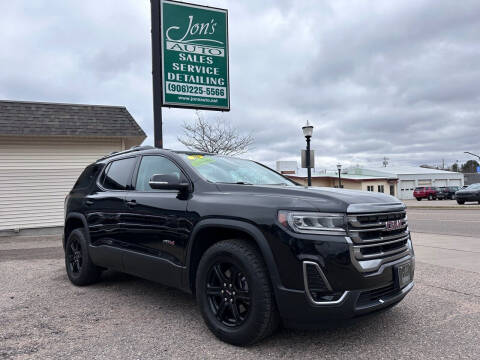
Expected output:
(419, 188)
(118, 174)
(87, 177)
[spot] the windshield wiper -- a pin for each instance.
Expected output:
(243, 183)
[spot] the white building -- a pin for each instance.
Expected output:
(43, 149)
(410, 177)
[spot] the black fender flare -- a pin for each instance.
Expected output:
(239, 225)
(77, 216)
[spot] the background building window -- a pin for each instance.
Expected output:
(370, 188)
(381, 188)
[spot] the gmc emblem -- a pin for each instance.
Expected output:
(393, 225)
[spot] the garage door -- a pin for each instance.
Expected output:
(440, 182)
(37, 173)
(406, 189)
(455, 182)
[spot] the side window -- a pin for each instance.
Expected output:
(155, 165)
(87, 176)
(117, 176)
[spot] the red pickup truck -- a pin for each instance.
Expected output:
(429, 193)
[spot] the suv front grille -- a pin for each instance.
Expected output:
(378, 236)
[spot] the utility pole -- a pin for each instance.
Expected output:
(156, 74)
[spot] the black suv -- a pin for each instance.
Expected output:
(447, 192)
(255, 248)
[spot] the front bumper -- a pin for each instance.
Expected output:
(299, 311)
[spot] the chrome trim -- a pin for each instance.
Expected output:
(376, 213)
(324, 278)
(377, 208)
(371, 265)
(383, 228)
(369, 245)
(359, 240)
(360, 256)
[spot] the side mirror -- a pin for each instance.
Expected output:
(167, 182)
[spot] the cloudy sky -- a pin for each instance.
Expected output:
(376, 78)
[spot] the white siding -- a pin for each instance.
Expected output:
(36, 173)
(441, 182)
(406, 189)
(454, 182)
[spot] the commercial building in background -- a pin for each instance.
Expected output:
(399, 181)
(385, 183)
(43, 149)
(410, 177)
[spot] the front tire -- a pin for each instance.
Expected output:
(460, 202)
(234, 293)
(80, 269)
(419, 199)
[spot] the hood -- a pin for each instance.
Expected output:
(322, 198)
(467, 191)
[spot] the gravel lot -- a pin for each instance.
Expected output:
(44, 316)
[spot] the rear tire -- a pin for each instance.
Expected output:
(234, 270)
(80, 269)
(419, 199)
(460, 202)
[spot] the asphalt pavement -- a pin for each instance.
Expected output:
(447, 222)
(43, 316)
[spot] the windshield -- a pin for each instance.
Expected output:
(474, 187)
(223, 169)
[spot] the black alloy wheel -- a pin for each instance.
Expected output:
(74, 256)
(80, 268)
(234, 292)
(228, 294)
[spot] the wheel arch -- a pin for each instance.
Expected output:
(225, 229)
(74, 221)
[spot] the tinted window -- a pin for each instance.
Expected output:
(419, 188)
(87, 176)
(155, 165)
(117, 176)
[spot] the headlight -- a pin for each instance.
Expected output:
(313, 222)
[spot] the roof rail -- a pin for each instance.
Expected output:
(132, 149)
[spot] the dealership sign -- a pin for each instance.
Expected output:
(194, 54)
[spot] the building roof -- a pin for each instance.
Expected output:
(302, 173)
(409, 170)
(45, 119)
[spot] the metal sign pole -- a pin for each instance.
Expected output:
(156, 74)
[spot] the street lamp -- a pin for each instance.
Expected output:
(468, 152)
(339, 168)
(308, 131)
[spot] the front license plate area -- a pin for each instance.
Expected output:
(404, 274)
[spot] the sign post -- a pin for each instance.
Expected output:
(189, 57)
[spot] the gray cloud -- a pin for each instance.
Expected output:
(397, 79)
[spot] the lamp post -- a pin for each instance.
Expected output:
(339, 168)
(468, 152)
(308, 131)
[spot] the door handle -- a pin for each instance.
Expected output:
(131, 202)
(88, 202)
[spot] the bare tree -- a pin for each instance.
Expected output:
(214, 136)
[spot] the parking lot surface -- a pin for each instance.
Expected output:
(447, 222)
(44, 316)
